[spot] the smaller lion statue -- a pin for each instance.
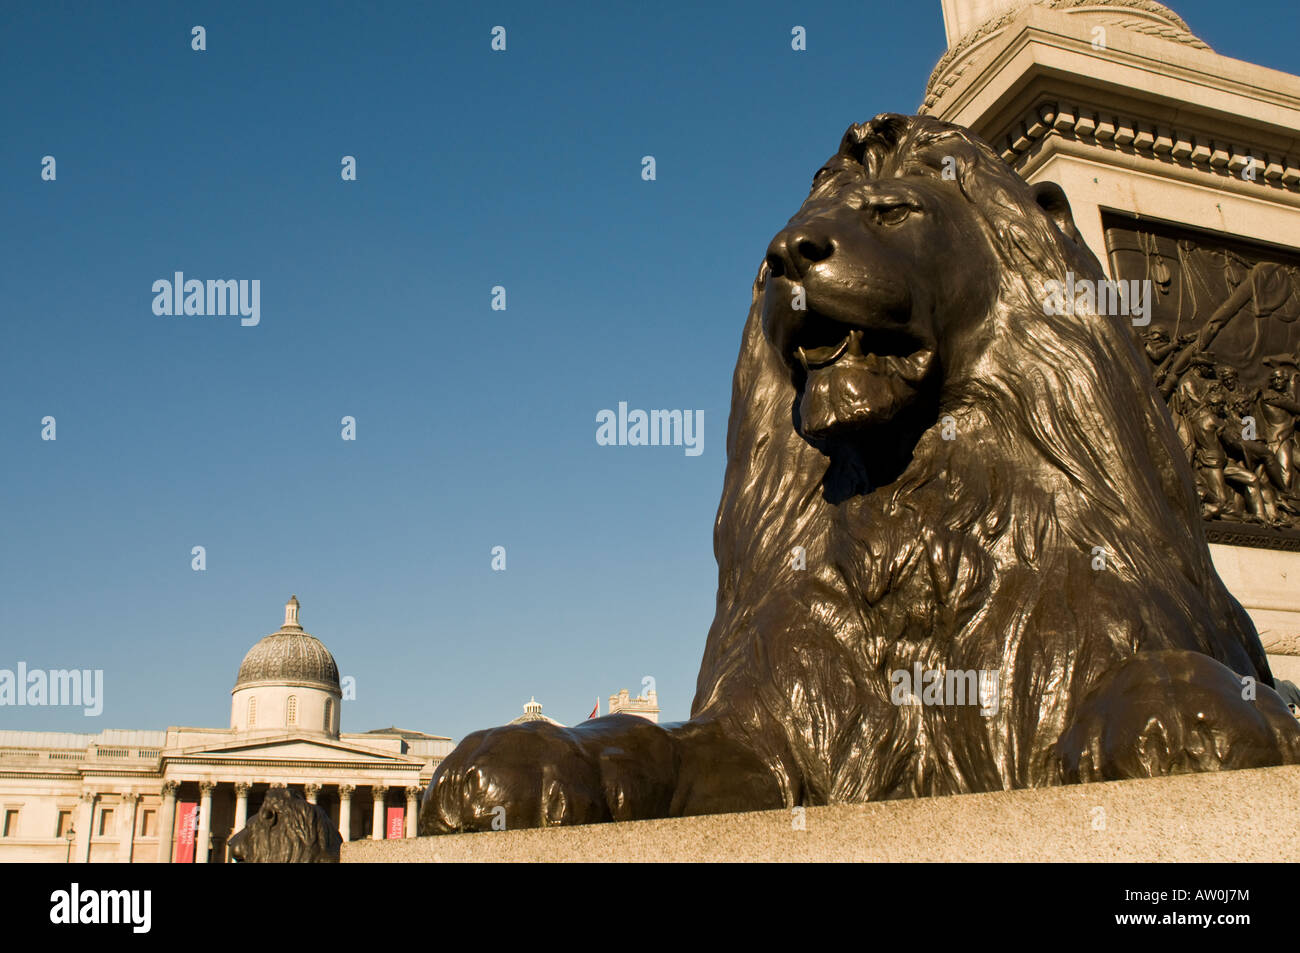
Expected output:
(287, 830)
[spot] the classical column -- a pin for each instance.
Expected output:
(345, 810)
(129, 802)
(167, 822)
(85, 819)
(378, 831)
(313, 792)
(412, 808)
(205, 821)
(241, 804)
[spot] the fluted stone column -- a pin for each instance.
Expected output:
(167, 822)
(205, 821)
(413, 793)
(129, 802)
(85, 820)
(377, 824)
(313, 792)
(241, 804)
(345, 810)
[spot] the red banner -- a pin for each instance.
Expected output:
(187, 822)
(396, 823)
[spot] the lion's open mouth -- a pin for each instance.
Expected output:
(853, 373)
(822, 341)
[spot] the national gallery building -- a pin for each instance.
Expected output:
(179, 795)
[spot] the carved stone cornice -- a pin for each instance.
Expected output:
(1103, 129)
(40, 776)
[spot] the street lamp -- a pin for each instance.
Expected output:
(69, 835)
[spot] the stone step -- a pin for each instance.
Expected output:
(1217, 816)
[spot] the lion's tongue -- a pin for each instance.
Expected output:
(852, 387)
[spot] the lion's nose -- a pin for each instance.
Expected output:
(794, 250)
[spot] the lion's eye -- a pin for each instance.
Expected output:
(892, 214)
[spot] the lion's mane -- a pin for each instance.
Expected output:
(979, 556)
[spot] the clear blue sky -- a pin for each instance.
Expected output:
(476, 428)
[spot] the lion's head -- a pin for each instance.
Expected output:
(913, 251)
(287, 830)
(924, 466)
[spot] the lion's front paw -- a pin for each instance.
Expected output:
(1173, 712)
(530, 775)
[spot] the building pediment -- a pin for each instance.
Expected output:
(289, 748)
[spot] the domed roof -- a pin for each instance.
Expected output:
(291, 656)
(533, 712)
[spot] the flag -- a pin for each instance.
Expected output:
(595, 711)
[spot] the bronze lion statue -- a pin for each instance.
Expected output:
(287, 830)
(928, 476)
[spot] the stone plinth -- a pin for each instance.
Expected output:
(1267, 584)
(1223, 816)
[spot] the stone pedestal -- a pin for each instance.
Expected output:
(1220, 816)
(1267, 583)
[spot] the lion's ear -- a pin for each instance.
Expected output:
(1051, 199)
